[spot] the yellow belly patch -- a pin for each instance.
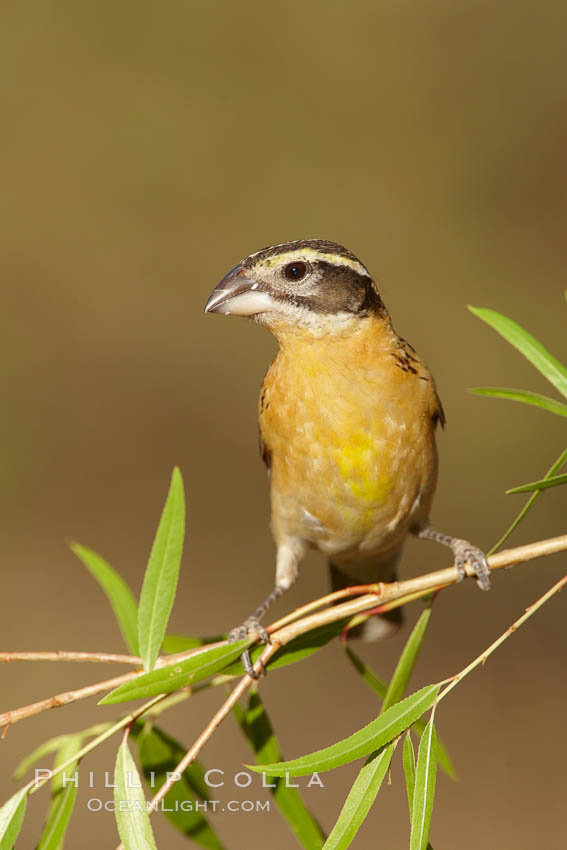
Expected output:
(356, 462)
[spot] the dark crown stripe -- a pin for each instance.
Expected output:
(322, 245)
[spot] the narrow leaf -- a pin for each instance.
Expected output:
(360, 799)
(11, 817)
(371, 678)
(68, 749)
(524, 396)
(424, 790)
(159, 755)
(64, 793)
(58, 820)
(160, 579)
(380, 687)
(172, 677)
(530, 503)
(117, 592)
(406, 663)
(544, 484)
(44, 749)
(179, 643)
(409, 769)
(443, 758)
(258, 730)
(131, 813)
(528, 345)
(373, 736)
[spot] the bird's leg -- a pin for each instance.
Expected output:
(287, 565)
(463, 552)
(251, 627)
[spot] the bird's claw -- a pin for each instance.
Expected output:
(250, 628)
(465, 553)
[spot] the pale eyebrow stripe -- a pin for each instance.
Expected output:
(313, 254)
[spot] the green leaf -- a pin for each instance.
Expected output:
(44, 749)
(58, 819)
(63, 795)
(131, 813)
(298, 649)
(528, 345)
(159, 755)
(11, 818)
(443, 757)
(70, 746)
(530, 503)
(57, 744)
(373, 736)
(360, 799)
(160, 749)
(371, 678)
(160, 579)
(524, 396)
(179, 643)
(406, 663)
(409, 768)
(424, 791)
(380, 687)
(544, 484)
(258, 730)
(172, 677)
(117, 592)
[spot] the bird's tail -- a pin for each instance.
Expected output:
(383, 569)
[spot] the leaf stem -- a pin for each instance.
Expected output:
(499, 641)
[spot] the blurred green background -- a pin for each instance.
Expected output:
(146, 149)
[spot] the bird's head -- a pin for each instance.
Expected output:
(311, 283)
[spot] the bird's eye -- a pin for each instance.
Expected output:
(295, 271)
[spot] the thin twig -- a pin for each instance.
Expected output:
(63, 655)
(34, 785)
(428, 582)
(17, 714)
(499, 641)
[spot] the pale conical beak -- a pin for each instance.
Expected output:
(237, 295)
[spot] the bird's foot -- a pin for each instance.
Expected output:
(250, 628)
(465, 553)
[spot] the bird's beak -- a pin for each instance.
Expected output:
(238, 295)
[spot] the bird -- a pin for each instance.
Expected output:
(348, 414)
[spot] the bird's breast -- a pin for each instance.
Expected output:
(351, 445)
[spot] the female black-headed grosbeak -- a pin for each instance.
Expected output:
(348, 414)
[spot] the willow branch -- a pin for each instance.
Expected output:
(395, 594)
(369, 599)
(389, 596)
(67, 697)
(64, 655)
